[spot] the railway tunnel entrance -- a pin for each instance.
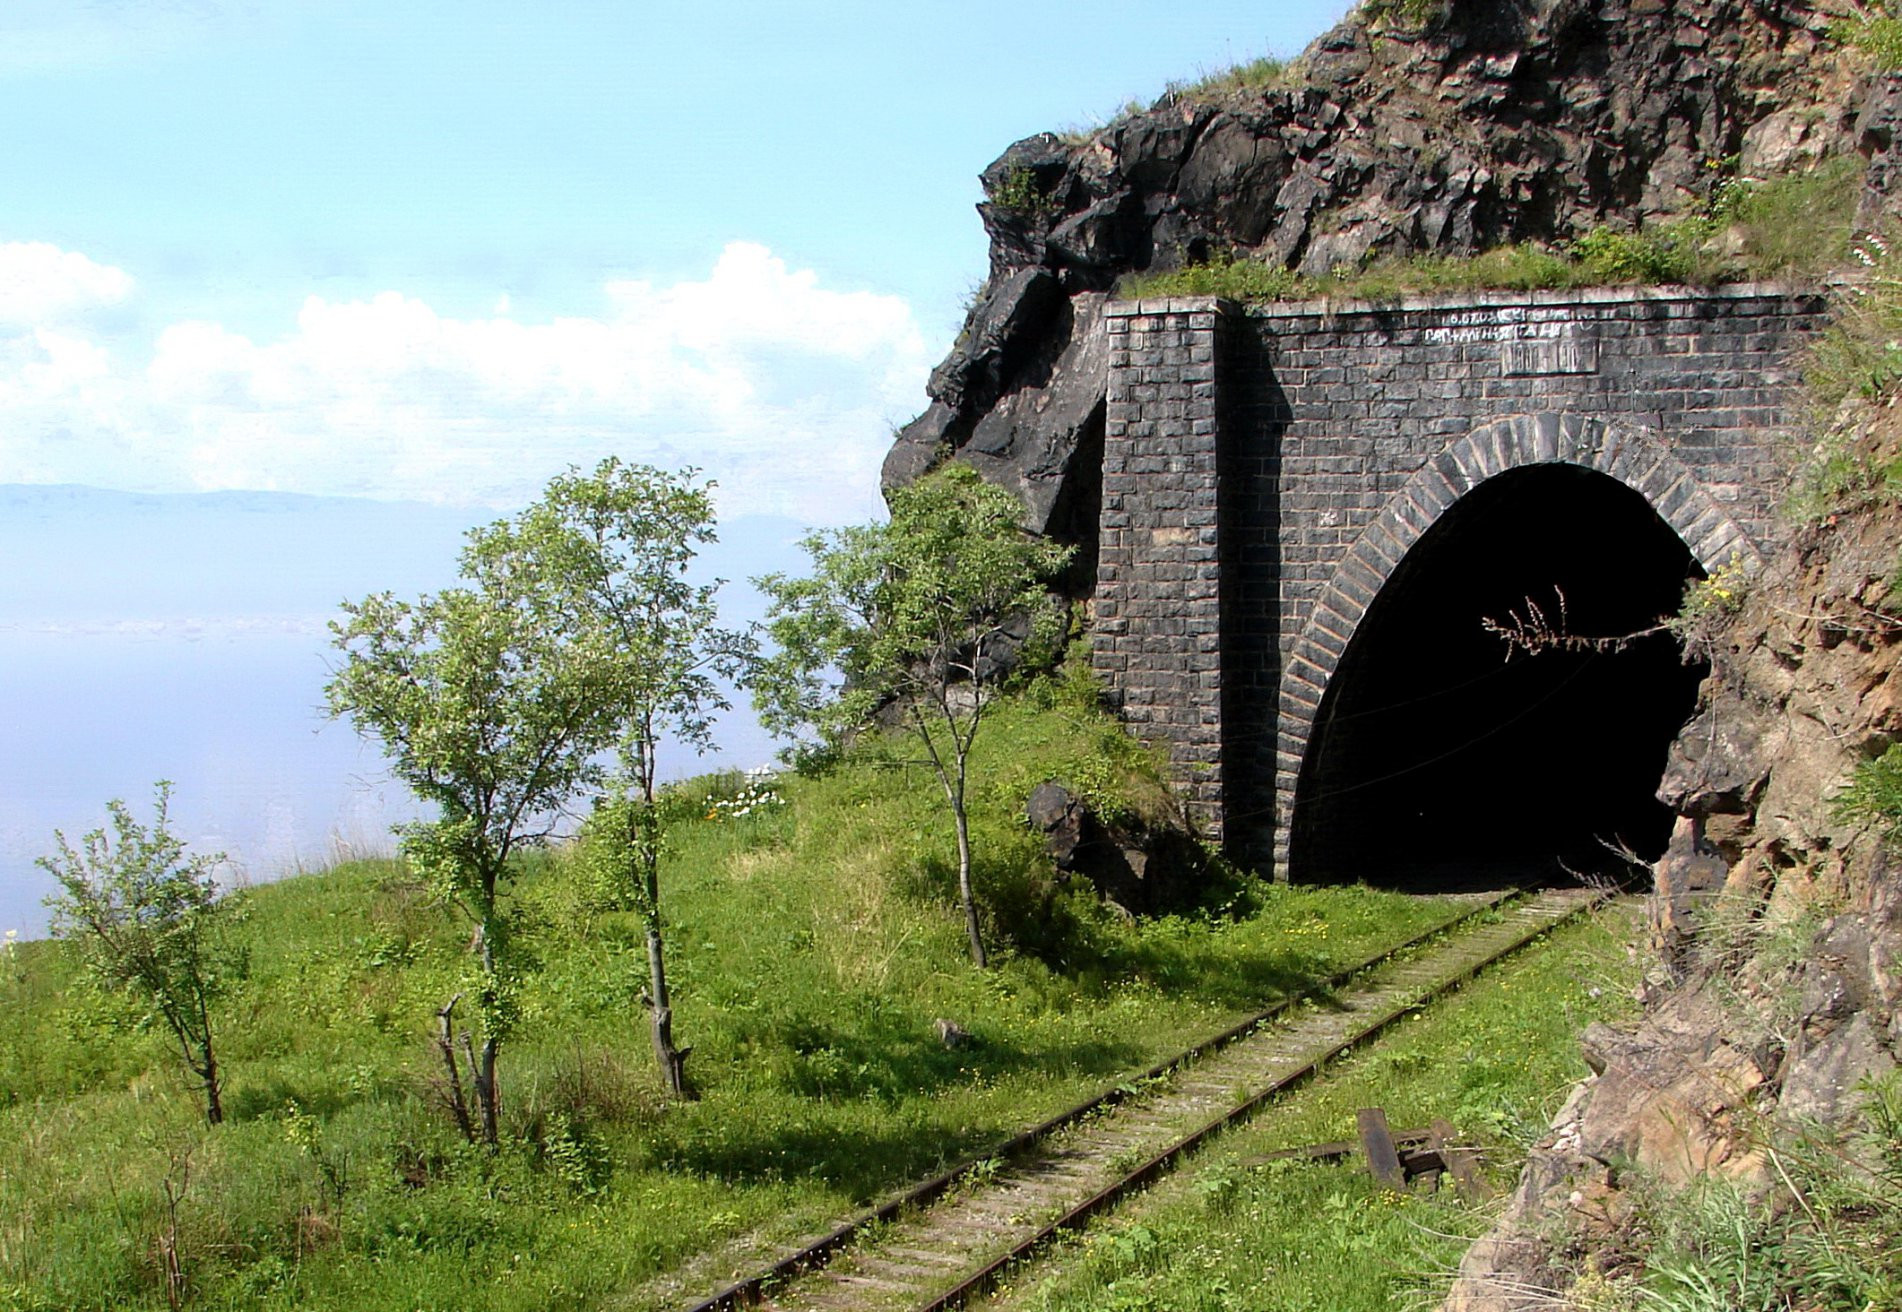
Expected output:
(1437, 762)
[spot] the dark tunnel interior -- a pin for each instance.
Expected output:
(1437, 763)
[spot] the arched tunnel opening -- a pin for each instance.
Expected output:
(1436, 763)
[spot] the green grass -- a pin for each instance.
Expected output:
(1874, 794)
(1519, 268)
(1824, 1236)
(1840, 472)
(812, 943)
(1248, 77)
(1860, 354)
(1496, 1059)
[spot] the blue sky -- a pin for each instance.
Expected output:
(419, 250)
(423, 252)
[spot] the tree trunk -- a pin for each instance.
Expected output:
(482, 1069)
(214, 1102)
(486, 1100)
(672, 1060)
(446, 1041)
(643, 838)
(964, 883)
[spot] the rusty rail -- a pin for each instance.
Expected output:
(981, 1280)
(816, 1253)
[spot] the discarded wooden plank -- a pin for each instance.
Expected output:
(1461, 1163)
(1376, 1141)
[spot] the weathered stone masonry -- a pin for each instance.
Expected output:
(1265, 469)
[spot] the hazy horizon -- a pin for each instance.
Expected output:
(182, 636)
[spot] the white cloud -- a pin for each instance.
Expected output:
(778, 387)
(40, 283)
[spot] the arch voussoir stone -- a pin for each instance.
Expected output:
(1408, 518)
(1549, 439)
(1435, 492)
(1725, 544)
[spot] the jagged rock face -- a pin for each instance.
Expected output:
(1503, 121)
(1805, 683)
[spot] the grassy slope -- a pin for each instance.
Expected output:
(813, 946)
(1496, 1059)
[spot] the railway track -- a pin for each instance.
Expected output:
(945, 1240)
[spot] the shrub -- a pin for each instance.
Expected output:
(1020, 195)
(1659, 255)
(1879, 35)
(146, 917)
(1406, 15)
(1225, 276)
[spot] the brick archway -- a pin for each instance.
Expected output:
(1623, 452)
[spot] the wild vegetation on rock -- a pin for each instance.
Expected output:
(1794, 227)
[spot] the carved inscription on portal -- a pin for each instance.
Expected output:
(1541, 356)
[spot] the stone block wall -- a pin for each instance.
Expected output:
(1257, 458)
(1160, 578)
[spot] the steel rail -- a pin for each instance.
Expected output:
(981, 1280)
(816, 1253)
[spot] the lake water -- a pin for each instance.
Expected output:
(231, 718)
(182, 638)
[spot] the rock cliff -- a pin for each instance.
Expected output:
(1410, 128)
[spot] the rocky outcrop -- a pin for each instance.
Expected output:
(1767, 1021)
(1139, 866)
(1693, 1093)
(1497, 121)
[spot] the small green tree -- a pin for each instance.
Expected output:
(912, 614)
(604, 556)
(492, 717)
(145, 915)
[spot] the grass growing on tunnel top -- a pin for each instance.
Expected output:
(1795, 226)
(814, 941)
(1229, 1232)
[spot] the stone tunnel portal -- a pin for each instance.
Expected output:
(1437, 762)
